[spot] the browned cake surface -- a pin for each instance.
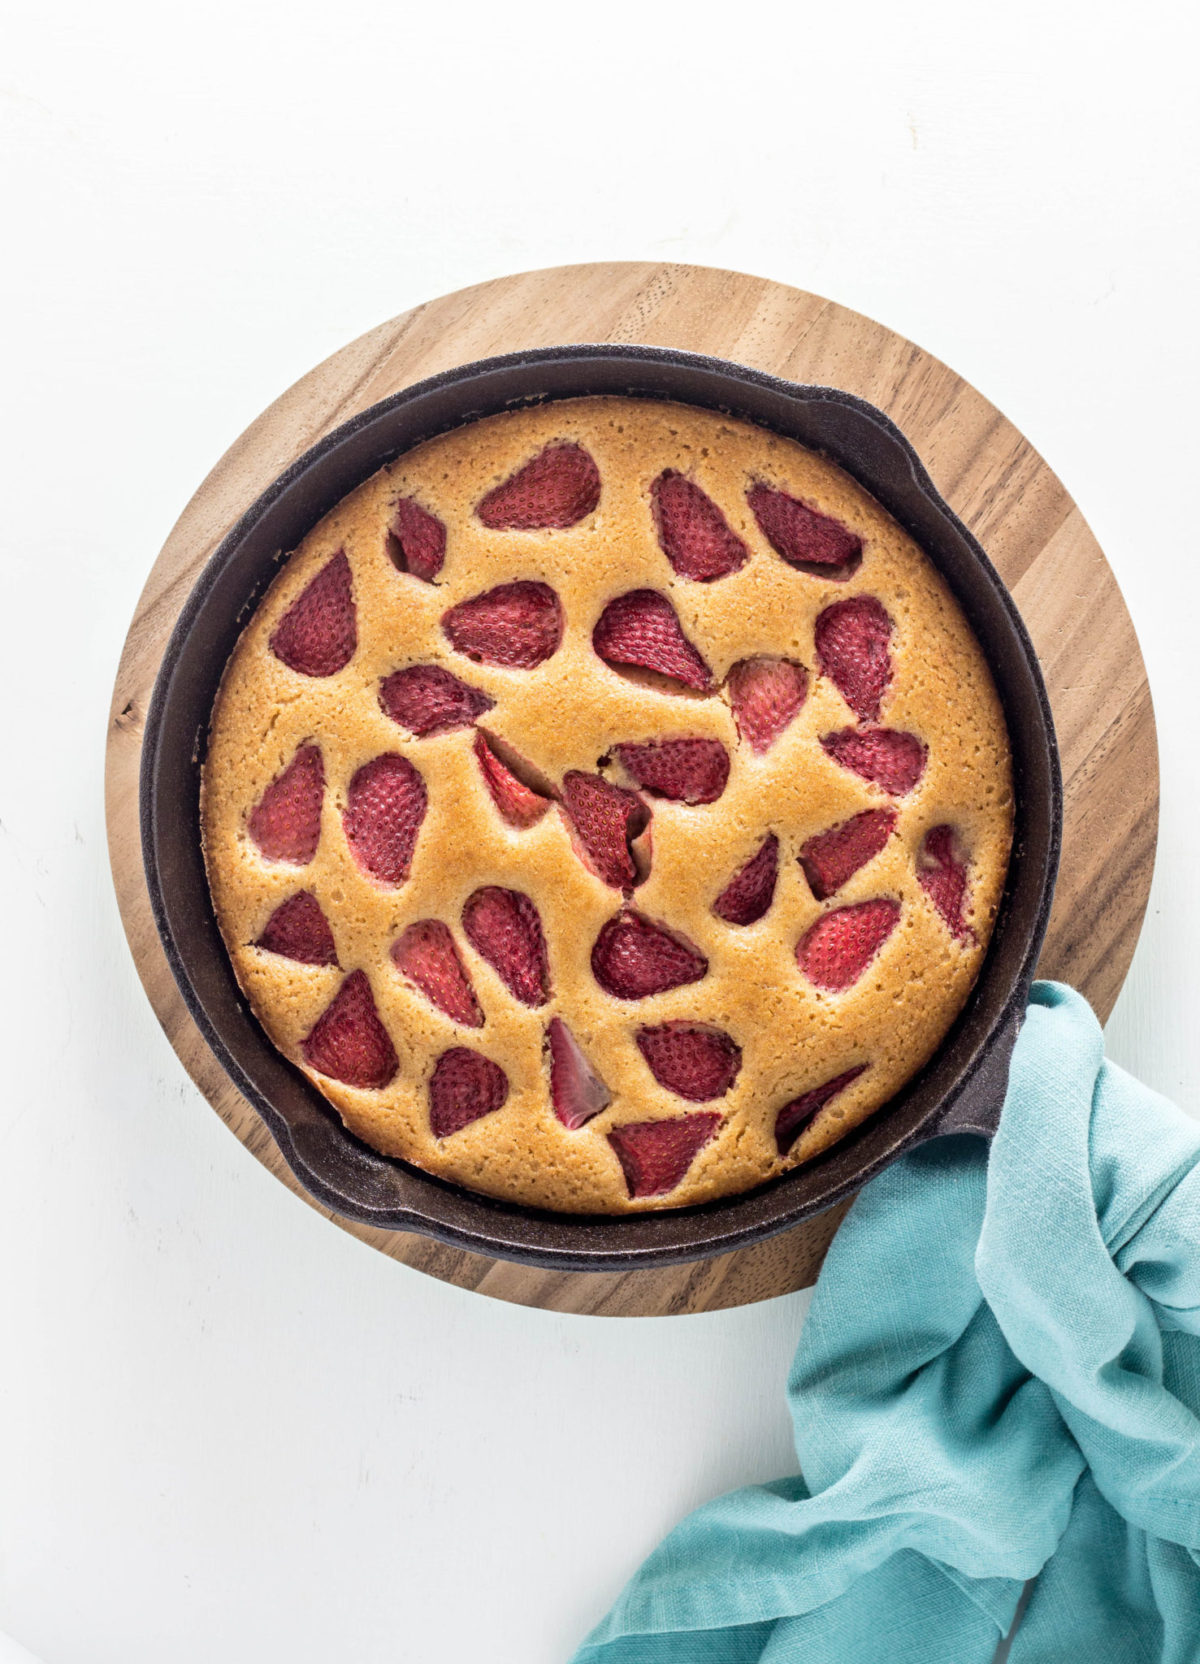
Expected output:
(758, 1006)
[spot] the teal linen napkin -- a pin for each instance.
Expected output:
(999, 1380)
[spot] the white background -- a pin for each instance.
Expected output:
(229, 1431)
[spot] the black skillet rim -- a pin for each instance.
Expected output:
(566, 1242)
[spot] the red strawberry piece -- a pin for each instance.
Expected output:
(464, 1086)
(518, 803)
(794, 1117)
(686, 771)
(503, 926)
(605, 821)
(766, 694)
(286, 821)
(751, 890)
(943, 876)
(557, 488)
(633, 957)
(838, 948)
(385, 805)
(348, 1042)
(416, 540)
(655, 1155)
(886, 757)
(831, 858)
(852, 639)
(691, 1059)
(694, 534)
(642, 629)
(426, 700)
(298, 929)
(318, 633)
(427, 957)
(520, 625)
(803, 537)
(576, 1089)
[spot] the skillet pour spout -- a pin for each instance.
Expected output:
(961, 1089)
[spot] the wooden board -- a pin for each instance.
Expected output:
(989, 474)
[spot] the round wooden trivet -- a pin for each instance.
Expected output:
(990, 475)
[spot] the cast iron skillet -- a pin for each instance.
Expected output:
(960, 1090)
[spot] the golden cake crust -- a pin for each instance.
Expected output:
(567, 714)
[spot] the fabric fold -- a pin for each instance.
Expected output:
(999, 1378)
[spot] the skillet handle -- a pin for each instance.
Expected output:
(977, 1107)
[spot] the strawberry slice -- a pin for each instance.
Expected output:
(693, 533)
(655, 1155)
(751, 890)
(416, 540)
(886, 757)
(604, 822)
(942, 872)
(427, 957)
(642, 629)
(633, 957)
(691, 1059)
(766, 694)
(385, 805)
(298, 929)
(426, 700)
(576, 1089)
(519, 625)
(286, 821)
(463, 1088)
(555, 489)
(318, 633)
(504, 927)
(838, 948)
(802, 536)
(852, 639)
(348, 1042)
(794, 1117)
(686, 771)
(518, 803)
(831, 858)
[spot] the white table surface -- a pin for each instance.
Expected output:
(229, 1431)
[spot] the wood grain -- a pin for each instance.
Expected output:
(990, 475)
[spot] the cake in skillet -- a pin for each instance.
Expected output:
(607, 807)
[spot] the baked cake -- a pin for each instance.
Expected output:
(607, 807)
